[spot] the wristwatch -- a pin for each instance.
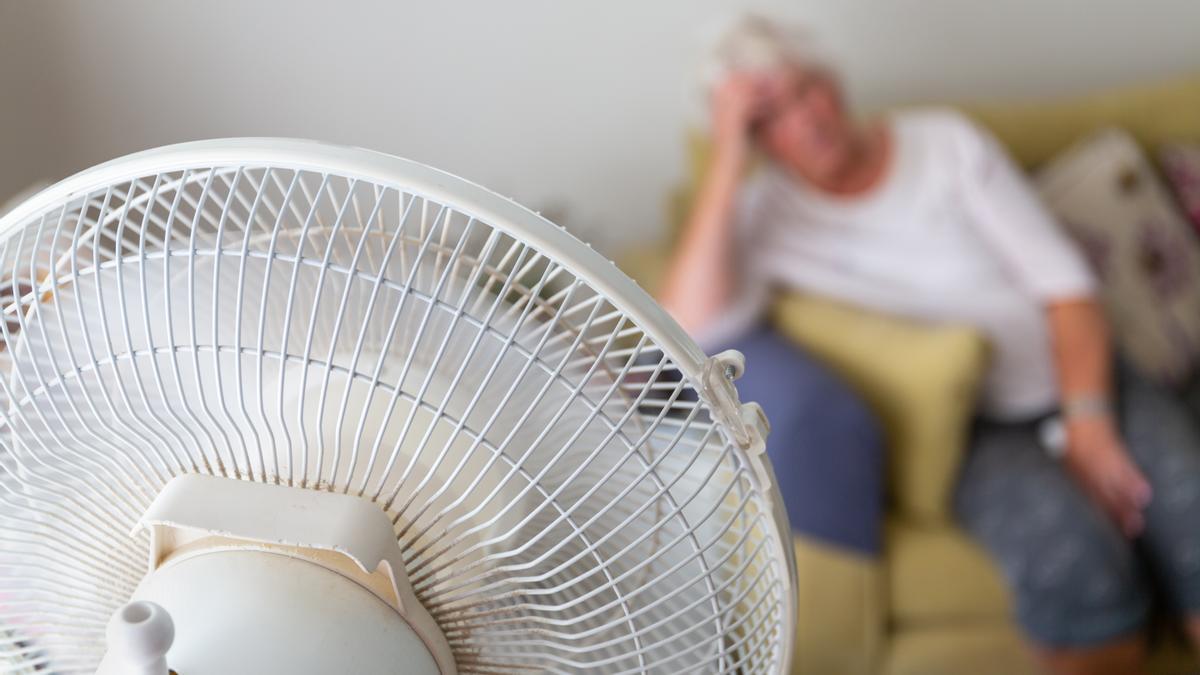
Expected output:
(1086, 405)
(1052, 431)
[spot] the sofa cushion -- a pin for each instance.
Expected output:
(1107, 195)
(998, 648)
(920, 380)
(839, 610)
(938, 574)
(975, 647)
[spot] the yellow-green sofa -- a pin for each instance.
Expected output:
(934, 604)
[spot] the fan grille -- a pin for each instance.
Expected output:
(564, 499)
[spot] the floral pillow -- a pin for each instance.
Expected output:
(1143, 250)
(1181, 166)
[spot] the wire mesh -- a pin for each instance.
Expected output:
(564, 499)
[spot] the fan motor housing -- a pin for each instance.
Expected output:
(284, 580)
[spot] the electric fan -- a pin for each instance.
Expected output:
(275, 406)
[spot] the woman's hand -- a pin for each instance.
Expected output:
(735, 102)
(1097, 457)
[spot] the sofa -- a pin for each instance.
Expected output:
(934, 603)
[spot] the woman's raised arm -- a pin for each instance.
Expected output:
(702, 275)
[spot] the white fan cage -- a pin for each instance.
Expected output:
(309, 315)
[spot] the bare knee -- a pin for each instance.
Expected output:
(1125, 656)
(1192, 624)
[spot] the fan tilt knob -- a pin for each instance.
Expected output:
(139, 635)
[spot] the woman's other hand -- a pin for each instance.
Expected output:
(1097, 457)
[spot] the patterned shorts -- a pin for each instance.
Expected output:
(1076, 580)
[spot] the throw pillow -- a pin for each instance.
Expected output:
(921, 380)
(1107, 195)
(1181, 166)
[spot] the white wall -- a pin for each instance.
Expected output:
(576, 108)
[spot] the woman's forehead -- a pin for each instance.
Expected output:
(784, 80)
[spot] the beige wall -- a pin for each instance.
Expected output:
(29, 104)
(569, 106)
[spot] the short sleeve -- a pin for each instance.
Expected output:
(752, 289)
(1013, 221)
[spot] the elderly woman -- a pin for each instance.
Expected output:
(921, 214)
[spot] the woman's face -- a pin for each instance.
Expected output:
(802, 123)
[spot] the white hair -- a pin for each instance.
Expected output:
(752, 42)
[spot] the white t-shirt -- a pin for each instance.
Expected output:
(954, 234)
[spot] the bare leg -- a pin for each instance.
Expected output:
(1193, 631)
(1126, 656)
